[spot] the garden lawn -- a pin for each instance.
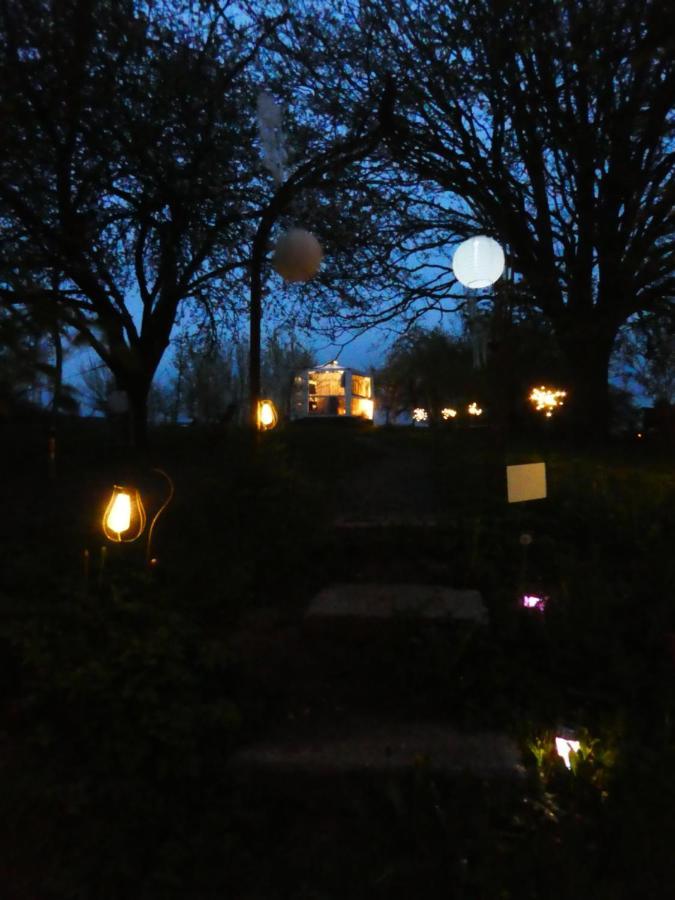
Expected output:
(125, 692)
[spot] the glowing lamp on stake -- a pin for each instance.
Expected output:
(124, 518)
(565, 746)
(267, 415)
(478, 262)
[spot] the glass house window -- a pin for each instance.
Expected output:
(332, 391)
(362, 404)
(326, 392)
(361, 386)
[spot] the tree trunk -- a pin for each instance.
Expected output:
(57, 382)
(56, 398)
(256, 291)
(254, 359)
(586, 356)
(138, 415)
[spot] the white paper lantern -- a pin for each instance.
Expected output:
(478, 262)
(297, 255)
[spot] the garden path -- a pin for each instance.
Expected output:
(382, 682)
(393, 487)
(378, 641)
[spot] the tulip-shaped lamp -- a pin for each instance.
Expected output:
(124, 517)
(267, 415)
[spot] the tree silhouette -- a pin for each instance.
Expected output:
(553, 123)
(549, 125)
(124, 169)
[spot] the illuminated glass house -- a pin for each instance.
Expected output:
(330, 392)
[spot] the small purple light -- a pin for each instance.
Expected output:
(531, 601)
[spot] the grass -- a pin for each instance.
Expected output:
(124, 691)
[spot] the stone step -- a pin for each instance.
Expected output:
(394, 602)
(374, 748)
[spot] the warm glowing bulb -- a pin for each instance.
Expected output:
(448, 413)
(119, 515)
(266, 415)
(124, 517)
(419, 414)
(474, 410)
(366, 408)
(563, 748)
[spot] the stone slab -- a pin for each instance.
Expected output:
(381, 748)
(390, 601)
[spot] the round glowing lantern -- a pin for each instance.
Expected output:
(478, 262)
(124, 518)
(297, 255)
(267, 415)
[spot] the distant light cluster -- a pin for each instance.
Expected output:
(547, 399)
(419, 414)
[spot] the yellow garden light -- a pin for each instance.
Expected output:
(448, 413)
(124, 518)
(474, 409)
(267, 415)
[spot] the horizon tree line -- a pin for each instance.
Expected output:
(131, 177)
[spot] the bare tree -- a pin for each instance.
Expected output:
(547, 124)
(551, 124)
(124, 169)
(645, 357)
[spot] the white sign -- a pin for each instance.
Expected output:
(527, 482)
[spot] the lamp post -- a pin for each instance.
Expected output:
(124, 519)
(480, 262)
(308, 175)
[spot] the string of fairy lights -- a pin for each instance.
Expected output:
(544, 399)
